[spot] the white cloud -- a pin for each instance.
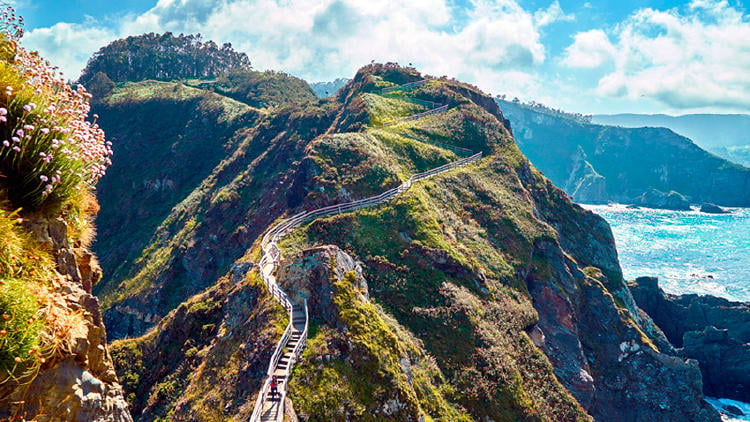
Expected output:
(553, 13)
(68, 46)
(488, 41)
(590, 49)
(689, 58)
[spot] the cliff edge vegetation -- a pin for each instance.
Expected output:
(52, 339)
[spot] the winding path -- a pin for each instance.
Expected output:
(289, 348)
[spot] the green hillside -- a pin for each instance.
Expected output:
(463, 272)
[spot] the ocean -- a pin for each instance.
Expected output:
(690, 251)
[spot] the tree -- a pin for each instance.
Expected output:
(163, 57)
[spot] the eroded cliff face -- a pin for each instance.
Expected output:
(621, 164)
(711, 330)
(488, 294)
(605, 351)
(78, 381)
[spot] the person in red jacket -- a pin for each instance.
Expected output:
(274, 388)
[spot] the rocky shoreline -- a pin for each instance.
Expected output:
(712, 330)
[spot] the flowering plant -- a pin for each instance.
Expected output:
(49, 152)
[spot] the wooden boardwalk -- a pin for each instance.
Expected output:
(289, 348)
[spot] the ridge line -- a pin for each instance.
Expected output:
(272, 256)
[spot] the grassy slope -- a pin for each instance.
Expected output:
(375, 361)
(263, 89)
(167, 138)
(161, 243)
(199, 355)
(445, 261)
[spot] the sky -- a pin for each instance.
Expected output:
(592, 57)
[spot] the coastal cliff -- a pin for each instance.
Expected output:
(712, 330)
(648, 166)
(482, 293)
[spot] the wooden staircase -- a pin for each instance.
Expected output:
(272, 409)
(289, 348)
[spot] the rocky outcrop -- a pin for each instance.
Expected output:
(308, 276)
(357, 344)
(712, 330)
(601, 355)
(713, 209)
(724, 362)
(585, 185)
(78, 383)
(631, 159)
(653, 198)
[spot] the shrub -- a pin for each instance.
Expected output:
(49, 153)
(20, 327)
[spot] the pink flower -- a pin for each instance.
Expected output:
(28, 127)
(44, 130)
(3, 111)
(16, 139)
(3, 119)
(43, 178)
(27, 107)
(19, 132)
(16, 148)
(6, 143)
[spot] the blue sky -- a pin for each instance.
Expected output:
(592, 57)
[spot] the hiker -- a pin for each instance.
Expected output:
(274, 388)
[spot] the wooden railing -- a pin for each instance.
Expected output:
(404, 87)
(436, 110)
(417, 101)
(272, 254)
(277, 354)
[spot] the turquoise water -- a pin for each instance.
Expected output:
(690, 252)
(720, 403)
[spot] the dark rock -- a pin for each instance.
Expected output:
(653, 198)
(600, 357)
(307, 276)
(714, 331)
(724, 362)
(734, 410)
(678, 314)
(713, 209)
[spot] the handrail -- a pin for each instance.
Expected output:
(417, 101)
(272, 256)
(406, 86)
(436, 110)
(255, 417)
